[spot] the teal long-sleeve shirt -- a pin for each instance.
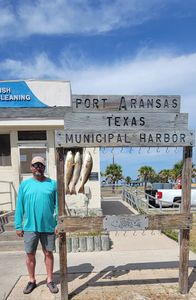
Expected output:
(37, 203)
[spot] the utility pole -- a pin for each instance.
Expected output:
(113, 158)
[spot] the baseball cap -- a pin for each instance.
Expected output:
(38, 159)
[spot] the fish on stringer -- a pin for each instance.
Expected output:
(86, 170)
(69, 167)
(76, 173)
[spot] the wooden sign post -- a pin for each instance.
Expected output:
(126, 121)
(185, 208)
(62, 234)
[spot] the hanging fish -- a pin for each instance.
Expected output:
(69, 165)
(76, 173)
(86, 170)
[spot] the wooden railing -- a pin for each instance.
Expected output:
(12, 195)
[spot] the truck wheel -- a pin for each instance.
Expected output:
(177, 203)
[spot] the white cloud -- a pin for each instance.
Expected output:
(159, 74)
(155, 74)
(25, 18)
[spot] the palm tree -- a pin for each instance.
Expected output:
(177, 170)
(113, 173)
(128, 180)
(165, 174)
(146, 173)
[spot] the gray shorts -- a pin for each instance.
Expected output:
(31, 240)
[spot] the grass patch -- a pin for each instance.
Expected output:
(172, 234)
(193, 239)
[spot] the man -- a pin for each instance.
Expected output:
(37, 202)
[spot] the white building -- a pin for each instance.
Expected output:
(30, 112)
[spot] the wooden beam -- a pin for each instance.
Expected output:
(60, 181)
(169, 221)
(125, 121)
(185, 208)
(121, 138)
(80, 224)
(33, 112)
(126, 103)
(62, 235)
(124, 223)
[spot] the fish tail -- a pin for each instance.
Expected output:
(73, 191)
(81, 189)
(67, 191)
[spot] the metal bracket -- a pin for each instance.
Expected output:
(125, 223)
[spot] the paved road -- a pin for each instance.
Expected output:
(114, 206)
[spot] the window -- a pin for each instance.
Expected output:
(32, 135)
(26, 155)
(5, 150)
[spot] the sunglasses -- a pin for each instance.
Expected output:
(38, 165)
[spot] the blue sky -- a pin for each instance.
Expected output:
(106, 47)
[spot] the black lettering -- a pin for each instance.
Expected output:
(117, 121)
(158, 137)
(68, 138)
(174, 103)
(86, 138)
(142, 121)
(142, 137)
(150, 103)
(110, 137)
(122, 104)
(87, 103)
(104, 100)
(174, 137)
(166, 137)
(126, 139)
(166, 104)
(95, 103)
(182, 137)
(78, 101)
(78, 138)
(141, 103)
(119, 139)
(150, 138)
(134, 122)
(109, 120)
(98, 138)
(126, 121)
(133, 103)
(158, 103)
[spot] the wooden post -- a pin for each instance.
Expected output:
(62, 235)
(185, 208)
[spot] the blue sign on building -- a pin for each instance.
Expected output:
(18, 94)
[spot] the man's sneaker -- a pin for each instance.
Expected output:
(30, 287)
(52, 287)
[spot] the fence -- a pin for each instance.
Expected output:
(142, 201)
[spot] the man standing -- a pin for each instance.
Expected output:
(37, 202)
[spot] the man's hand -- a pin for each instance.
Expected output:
(20, 233)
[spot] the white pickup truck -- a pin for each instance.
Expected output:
(172, 197)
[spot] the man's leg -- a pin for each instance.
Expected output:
(49, 262)
(31, 240)
(48, 246)
(31, 263)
